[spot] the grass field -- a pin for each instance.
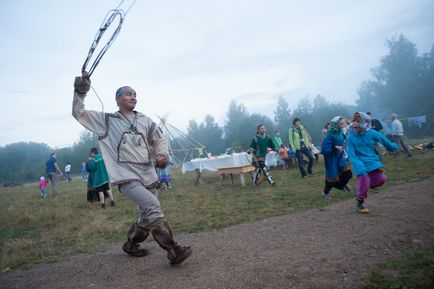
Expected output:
(34, 231)
(415, 270)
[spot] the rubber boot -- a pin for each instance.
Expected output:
(136, 235)
(163, 235)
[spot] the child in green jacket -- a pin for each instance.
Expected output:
(258, 147)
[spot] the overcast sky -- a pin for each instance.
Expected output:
(191, 58)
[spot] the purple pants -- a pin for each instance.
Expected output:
(374, 179)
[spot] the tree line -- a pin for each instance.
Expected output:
(402, 83)
(25, 161)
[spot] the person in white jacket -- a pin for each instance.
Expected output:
(131, 143)
(68, 172)
(397, 132)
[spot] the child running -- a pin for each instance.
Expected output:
(337, 172)
(365, 161)
(43, 187)
(259, 146)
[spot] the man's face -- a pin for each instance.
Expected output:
(127, 101)
(278, 133)
(297, 124)
(262, 130)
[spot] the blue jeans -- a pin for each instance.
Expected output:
(299, 155)
(44, 192)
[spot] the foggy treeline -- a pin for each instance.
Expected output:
(403, 83)
(25, 162)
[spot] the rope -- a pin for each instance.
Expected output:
(108, 20)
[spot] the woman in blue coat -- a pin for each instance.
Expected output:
(364, 159)
(337, 172)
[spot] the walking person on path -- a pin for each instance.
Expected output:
(299, 141)
(366, 162)
(52, 169)
(131, 143)
(337, 171)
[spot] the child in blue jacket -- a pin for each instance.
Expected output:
(337, 172)
(364, 159)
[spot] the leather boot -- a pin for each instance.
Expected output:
(136, 234)
(163, 235)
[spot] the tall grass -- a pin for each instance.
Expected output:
(34, 230)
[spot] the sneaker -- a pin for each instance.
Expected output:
(361, 209)
(112, 203)
(348, 188)
(326, 196)
(103, 206)
(309, 175)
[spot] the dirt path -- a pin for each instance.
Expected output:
(321, 248)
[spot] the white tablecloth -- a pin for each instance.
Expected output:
(215, 163)
(272, 159)
(227, 161)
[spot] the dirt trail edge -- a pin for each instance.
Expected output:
(332, 247)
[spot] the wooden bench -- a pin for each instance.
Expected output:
(235, 170)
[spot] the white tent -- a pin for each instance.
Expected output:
(182, 147)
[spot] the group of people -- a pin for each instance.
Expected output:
(98, 182)
(133, 147)
(52, 171)
(299, 142)
(345, 141)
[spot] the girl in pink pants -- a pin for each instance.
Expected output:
(374, 179)
(364, 159)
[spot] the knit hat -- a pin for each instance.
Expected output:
(42, 178)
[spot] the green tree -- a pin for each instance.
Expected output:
(234, 129)
(402, 83)
(23, 162)
(283, 118)
(208, 133)
(314, 114)
(240, 127)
